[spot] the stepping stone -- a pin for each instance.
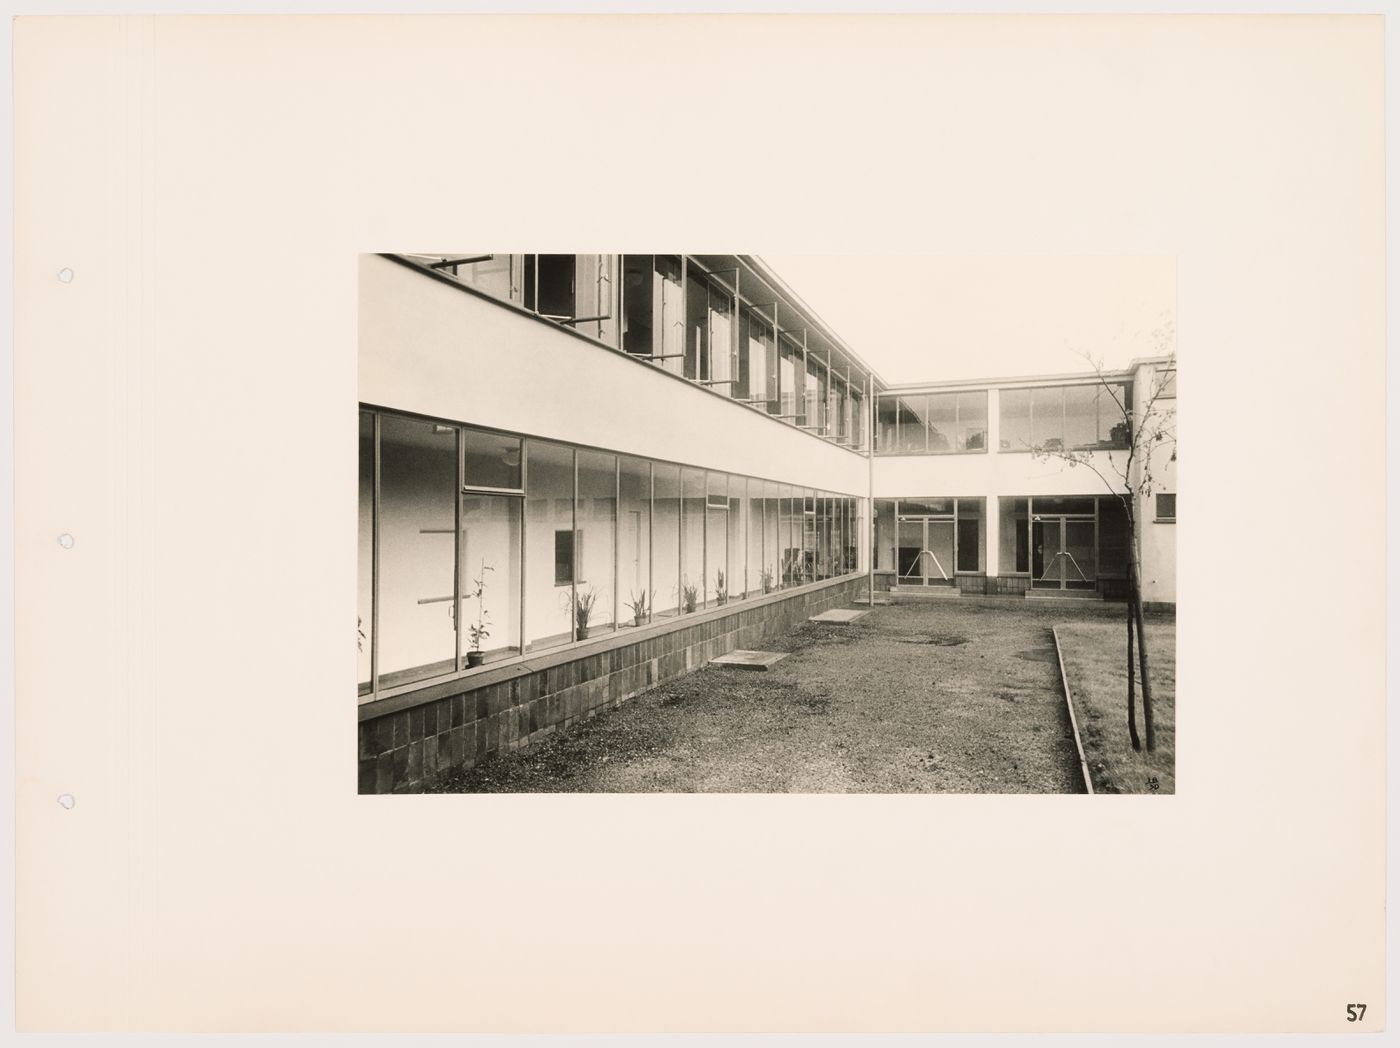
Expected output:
(749, 660)
(841, 615)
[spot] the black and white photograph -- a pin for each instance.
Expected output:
(649, 523)
(732, 457)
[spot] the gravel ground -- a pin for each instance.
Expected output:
(953, 696)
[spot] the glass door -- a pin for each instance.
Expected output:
(1062, 553)
(1045, 552)
(1078, 567)
(939, 553)
(910, 554)
(926, 551)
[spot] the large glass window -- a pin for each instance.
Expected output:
(1113, 538)
(942, 422)
(554, 553)
(815, 409)
(693, 540)
(717, 540)
(594, 605)
(1065, 418)
(791, 571)
(857, 419)
(913, 427)
(789, 380)
(1015, 420)
(760, 358)
(365, 637)
(738, 512)
(666, 539)
(886, 423)
(490, 589)
(668, 296)
(972, 421)
(417, 557)
(771, 577)
(477, 546)
(634, 589)
(755, 552)
(638, 294)
(491, 460)
(1048, 419)
(550, 285)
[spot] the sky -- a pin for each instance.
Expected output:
(921, 318)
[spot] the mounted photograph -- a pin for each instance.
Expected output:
(702, 523)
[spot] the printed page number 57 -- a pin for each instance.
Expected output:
(1356, 1012)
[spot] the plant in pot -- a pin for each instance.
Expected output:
(721, 590)
(690, 596)
(641, 607)
(766, 578)
(481, 628)
(583, 609)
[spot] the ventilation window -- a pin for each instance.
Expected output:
(1166, 507)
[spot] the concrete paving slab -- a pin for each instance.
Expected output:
(840, 615)
(743, 659)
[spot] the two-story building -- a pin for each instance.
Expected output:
(581, 475)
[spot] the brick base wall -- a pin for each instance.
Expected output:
(511, 707)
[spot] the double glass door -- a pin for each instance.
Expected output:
(1062, 553)
(926, 551)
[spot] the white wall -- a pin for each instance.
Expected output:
(1158, 540)
(430, 348)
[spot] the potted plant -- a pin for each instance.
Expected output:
(690, 596)
(721, 590)
(766, 578)
(480, 629)
(641, 606)
(583, 608)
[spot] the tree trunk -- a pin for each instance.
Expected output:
(1132, 695)
(1135, 597)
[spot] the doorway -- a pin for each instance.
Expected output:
(926, 551)
(1062, 552)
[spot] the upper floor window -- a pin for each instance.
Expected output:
(1166, 507)
(932, 423)
(1065, 418)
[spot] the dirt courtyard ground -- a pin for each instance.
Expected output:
(947, 696)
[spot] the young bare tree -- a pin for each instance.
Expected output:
(1148, 440)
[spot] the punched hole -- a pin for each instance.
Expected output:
(65, 275)
(66, 540)
(65, 800)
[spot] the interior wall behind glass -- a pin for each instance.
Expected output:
(635, 591)
(1013, 555)
(886, 538)
(753, 523)
(717, 539)
(491, 539)
(693, 583)
(666, 539)
(942, 422)
(549, 560)
(365, 576)
(738, 513)
(597, 506)
(772, 545)
(417, 555)
(971, 534)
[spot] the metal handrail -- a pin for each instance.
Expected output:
(910, 573)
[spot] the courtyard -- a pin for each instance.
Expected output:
(944, 696)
